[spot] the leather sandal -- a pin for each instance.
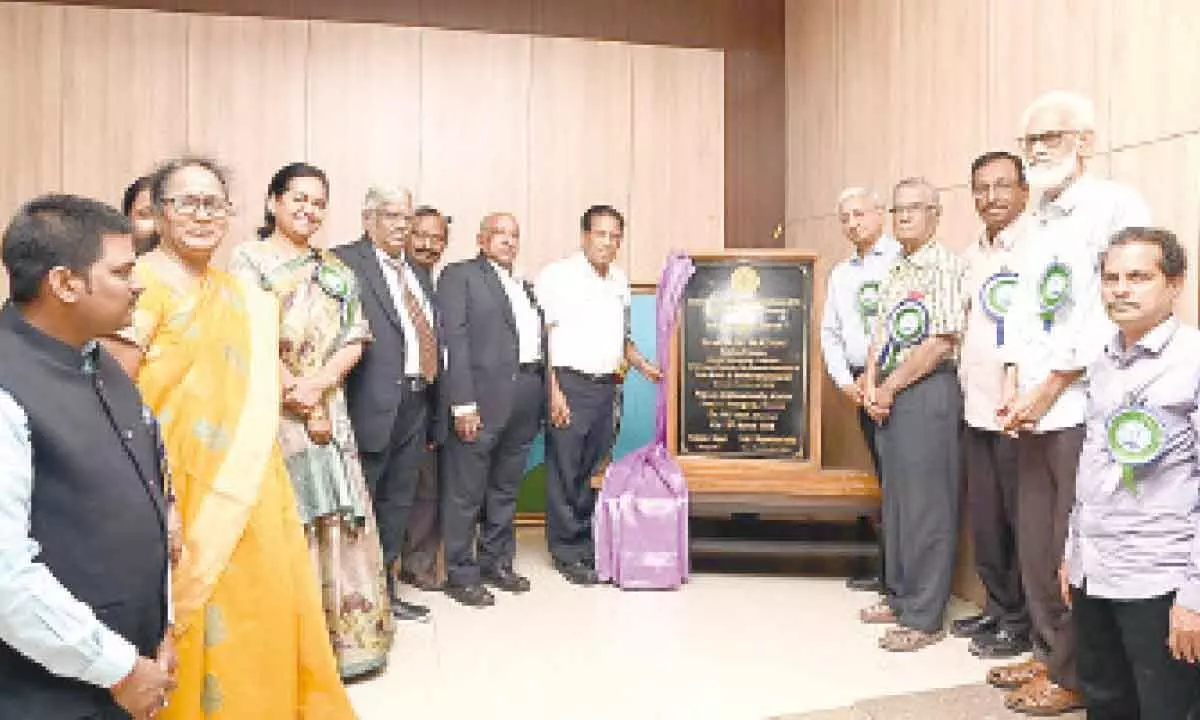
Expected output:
(878, 614)
(1042, 697)
(1015, 675)
(908, 639)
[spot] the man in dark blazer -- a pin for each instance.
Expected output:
(389, 391)
(83, 508)
(494, 393)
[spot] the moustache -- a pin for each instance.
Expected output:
(1122, 305)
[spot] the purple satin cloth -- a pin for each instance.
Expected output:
(640, 525)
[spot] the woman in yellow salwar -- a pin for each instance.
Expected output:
(322, 329)
(250, 633)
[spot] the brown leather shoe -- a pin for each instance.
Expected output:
(1042, 697)
(1016, 675)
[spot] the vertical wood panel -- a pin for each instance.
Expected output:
(246, 108)
(374, 139)
(869, 54)
(678, 158)
(475, 130)
(815, 169)
(125, 96)
(959, 225)
(580, 110)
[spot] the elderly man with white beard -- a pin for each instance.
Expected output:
(1058, 328)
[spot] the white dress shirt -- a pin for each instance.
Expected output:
(1073, 230)
(412, 359)
(586, 313)
(40, 618)
(845, 337)
(529, 324)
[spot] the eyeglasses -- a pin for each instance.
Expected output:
(1000, 188)
(911, 209)
(213, 205)
(1052, 139)
(394, 218)
(431, 237)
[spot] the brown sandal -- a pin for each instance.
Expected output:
(908, 639)
(1013, 676)
(878, 614)
(1042, 697)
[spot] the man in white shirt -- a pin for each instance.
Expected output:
(586, 299)
(494, 394)
(851, 303)
(1059, 328)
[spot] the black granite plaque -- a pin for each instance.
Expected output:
(745, 335)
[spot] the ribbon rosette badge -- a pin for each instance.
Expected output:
(1054, 289)
(996, 297)
(868, 302)
(907, 326)
(1135, 437)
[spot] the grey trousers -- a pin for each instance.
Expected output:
(918, 448)
(424, 532)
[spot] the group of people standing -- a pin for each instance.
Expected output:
(1045, 370)
(216, 481)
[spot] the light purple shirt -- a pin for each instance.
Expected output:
(1125, 545)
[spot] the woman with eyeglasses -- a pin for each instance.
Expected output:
(250, 634)
(321, 334)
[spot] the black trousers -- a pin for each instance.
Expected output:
(990, 460)
(391, 475)
(573, 454)
(480, 481)
(918, 445)
(1046, 465)
(1125, 668)
(424, 532)
(869, 429)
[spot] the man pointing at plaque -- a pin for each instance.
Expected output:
(586, 300)
(912, 391)
(850, 307)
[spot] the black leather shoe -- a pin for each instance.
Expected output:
(408, 611)
(973, 626)
(1000, 644)
(507, 580)
(473, 595)
(867, 583)
(426, 582)
(576, 573)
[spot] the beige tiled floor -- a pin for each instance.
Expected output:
(727, 647)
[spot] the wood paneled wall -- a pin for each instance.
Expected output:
(472, 121)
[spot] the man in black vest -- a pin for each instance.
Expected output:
(389, 391)
(83, 514)
(494, 393)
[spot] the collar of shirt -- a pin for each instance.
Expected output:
(1152, 343)
(884, 246)
(504, 272)
(1006, 239)
(1069, 198)
(929, 254)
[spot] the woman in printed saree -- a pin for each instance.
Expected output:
(322, 329)
(203, 345)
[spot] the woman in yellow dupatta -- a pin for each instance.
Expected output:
(250, 632)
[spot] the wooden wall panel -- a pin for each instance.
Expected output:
(1153, 41)
(375, 139)
(941, 75)
(869, 54)
(959, 225)
(677, 97)
(1040, 45)
(246, 104)
(815, 149)
(124, 99)
(580, 113)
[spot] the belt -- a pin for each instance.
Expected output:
(603, 379)
(413, 383)
(536, 368)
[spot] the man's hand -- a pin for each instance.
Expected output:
(320, 428)
(651, 372)
(1184, 635)
(143, 692)
(304, 393)
(880, 400)
(1027, 409)
(467, 426)
(1064, 584)
(560, 411)
(166, 658)
(853, 392)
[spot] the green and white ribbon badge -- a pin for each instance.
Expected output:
(996, 298)
(1135, 437)
(1054, 290)
(908, 325)
(867, 301)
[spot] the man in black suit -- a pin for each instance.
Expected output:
(494, 391)
(389, 390)
(83, 509)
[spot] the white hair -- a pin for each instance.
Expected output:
(859, 192)
(1081, 110)
(919, 182)
(380, 195)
